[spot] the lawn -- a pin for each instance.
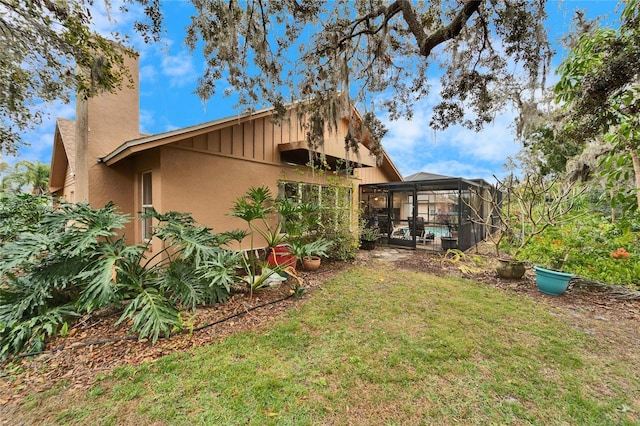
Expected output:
(375, 346)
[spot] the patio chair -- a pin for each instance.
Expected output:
(420, 233)
(416, 230)
(383, 225)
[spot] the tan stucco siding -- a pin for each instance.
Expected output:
(102, 124)
(113, 118)
(67, 192)
(114, 184)
(206, 186)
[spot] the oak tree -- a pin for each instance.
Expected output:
(50, 52)
(381, 53)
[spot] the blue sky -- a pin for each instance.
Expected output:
(169, 74)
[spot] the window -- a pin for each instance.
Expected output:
(334, 201)
(147, 205)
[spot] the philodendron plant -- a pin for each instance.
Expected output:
(73, 262)
(318, 247)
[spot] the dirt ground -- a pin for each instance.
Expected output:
(94, 345)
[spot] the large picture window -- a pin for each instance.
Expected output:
(334, 201)
(147, 205)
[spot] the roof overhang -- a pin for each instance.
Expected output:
(299, 153)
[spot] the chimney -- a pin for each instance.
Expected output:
(104, 122)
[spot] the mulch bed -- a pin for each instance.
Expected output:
(95, 345)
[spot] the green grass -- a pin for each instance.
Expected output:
(378, 346)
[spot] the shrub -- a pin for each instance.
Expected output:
(587, 242)
(19, 211)
(71, 262)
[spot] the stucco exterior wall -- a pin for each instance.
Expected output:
(209, 193)
(201, 169)
(103, 123)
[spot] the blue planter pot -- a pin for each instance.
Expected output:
(552, 282)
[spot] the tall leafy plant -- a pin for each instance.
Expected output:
(257, 208)
(72, 261)
(19, 211)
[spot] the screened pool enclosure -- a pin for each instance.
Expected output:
(433, 214)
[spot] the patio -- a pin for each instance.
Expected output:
(433, 213)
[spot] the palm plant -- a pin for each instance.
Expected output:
(27, 175)
(37, 176)
(256, 205)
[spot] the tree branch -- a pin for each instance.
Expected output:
(451, 31)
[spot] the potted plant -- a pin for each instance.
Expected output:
(450, 241)
(550, 255)
(257, 208)
(297, 219)
(310, 253)
(368, 238)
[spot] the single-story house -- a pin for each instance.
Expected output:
(101, 156)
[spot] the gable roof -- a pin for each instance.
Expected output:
(63, 156)
(151, 141)
(134, 146)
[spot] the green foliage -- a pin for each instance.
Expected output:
(70, 261)
(25, 175)
(256, 207)
(368, 234)
(584, 246)
(337, 223)
(345, 243)
(549, 153)
(599, 90)
(50, 52)
(317, 247)
(324, 214)
(616, 170)
(19, 211)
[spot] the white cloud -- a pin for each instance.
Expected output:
(147, 121)
(496, 140)
(179, 69)
(455, 151)
(106, 20)
(148, 74)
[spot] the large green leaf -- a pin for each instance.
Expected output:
(152, 313)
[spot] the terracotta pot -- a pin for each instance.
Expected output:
(510, 269)
(280, 256)
(311, 264)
